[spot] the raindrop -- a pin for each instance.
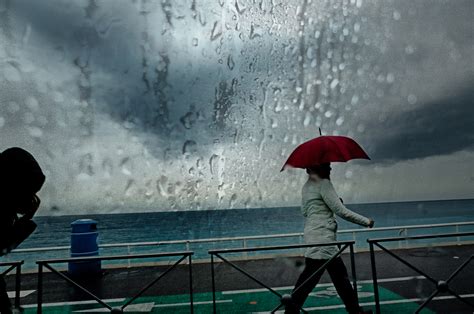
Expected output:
(129, 187)
(390, 78)
(340, 121)
(354, 100)
(334, 83)
(409, 50)
(274, 123)
(125, 165)
(396, 15)
(216, 31)
(307, 119)
(254, 31)
(233, 200)
(195, 42)
(230, 62)
(161, 185)
(412, 99)
(278, 107)
(189, 147)
(213, 163)
(356, 27)
(188, 119)
(239, 7)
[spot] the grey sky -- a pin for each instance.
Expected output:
(149, 106)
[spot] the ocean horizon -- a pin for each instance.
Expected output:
(199, 224)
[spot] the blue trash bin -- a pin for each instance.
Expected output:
(84, 236)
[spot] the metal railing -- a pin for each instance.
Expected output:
(440, 285)
(11, 266)
(285, 299)
(46, 264)
(244, 240)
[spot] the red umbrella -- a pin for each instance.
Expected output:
(325, 149)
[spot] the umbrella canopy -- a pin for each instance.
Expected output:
(325, 149)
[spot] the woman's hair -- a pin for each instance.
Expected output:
(323, 170)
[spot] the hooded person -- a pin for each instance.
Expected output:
(21, 178)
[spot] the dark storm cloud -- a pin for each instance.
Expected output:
(147, 103)
(440, 127)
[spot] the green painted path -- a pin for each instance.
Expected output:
(322, 300)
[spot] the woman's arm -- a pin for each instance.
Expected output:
(334, 203)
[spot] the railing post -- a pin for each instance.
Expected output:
(191, 290)
(39, 309)
(129, 253)
(374, 278)
(213, 285)
(18, 285)
(458, 239)
(353, 269)
(406, 235)
(244, 243)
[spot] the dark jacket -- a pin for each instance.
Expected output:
(20, 179)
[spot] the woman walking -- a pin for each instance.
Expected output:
(320, 204)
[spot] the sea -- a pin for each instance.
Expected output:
(53, 231)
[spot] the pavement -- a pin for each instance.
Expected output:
(401, 289)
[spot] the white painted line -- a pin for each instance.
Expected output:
(141, 307)
(195, 303)
(23, 293)
(74, 303)
(395, 279)
(341, 306)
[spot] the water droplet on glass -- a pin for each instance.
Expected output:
(307, 119)
(396, 15)
(189, 147)
(213, 163)
(340, 121)
(390, 78)
(195, 42)
(255, 31)
(230, 62)
(409, 50)
(125, 165)
(334, 83)
(328, 114)
(412, 99)
(216, 30)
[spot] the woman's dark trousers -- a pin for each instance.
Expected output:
(338, 273)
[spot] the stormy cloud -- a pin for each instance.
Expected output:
(440, 127)
(181, 105)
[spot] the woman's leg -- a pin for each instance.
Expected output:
(301, 293)
(338, 272)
